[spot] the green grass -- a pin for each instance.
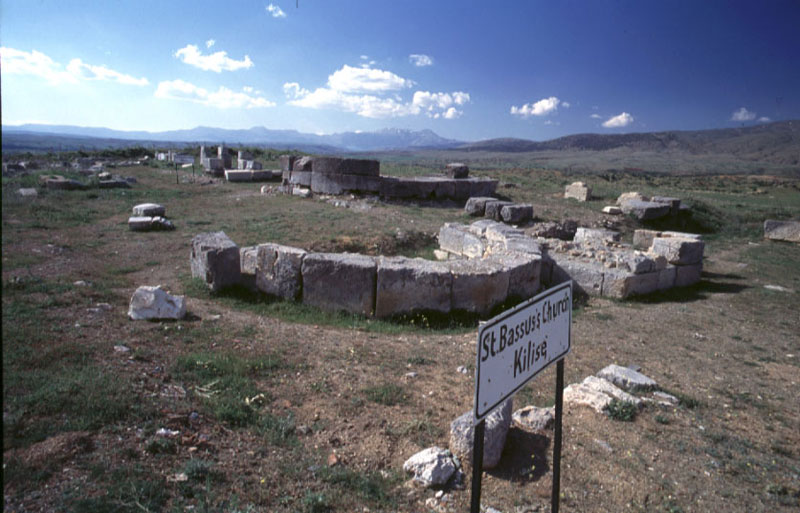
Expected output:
(226, 383)
(387, 394)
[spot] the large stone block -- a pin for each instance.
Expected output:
(517, 213)
(339, 281)
(407, 285)
(497, 424)
(456, 170)
(149, 210)
(578, 191)
(302, 178)
(478, 187)
(674, 203)
(341, 183)
(626, 378)
(598, 236)
(238, 175)
(587, 277)
(476, 206)
(524, 245)
(678, 251)
(645, 210)
(631, 196)
(278, 271)
(340, 166)
(405, 188)
(478, 284)
(643, 239)
(788, 231)
(215, 259)
(499, 232)
(620, 284)
(457, 239)
(287, 162)
(666, 278)
(264, 175)
(686, 275)
(303, 164)
(493, 208)
(523, 274)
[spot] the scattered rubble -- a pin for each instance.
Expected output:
(433, 466)
(579, 191)
(152, 303)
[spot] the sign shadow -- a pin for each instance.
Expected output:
(525, 457)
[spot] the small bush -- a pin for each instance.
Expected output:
(624, 411)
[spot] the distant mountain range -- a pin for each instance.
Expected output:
(386, 139)
(775, 143)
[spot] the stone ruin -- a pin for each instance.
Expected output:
(482, 265)
(595, 260)
(333, 175)
(645, 208)
(216, 165)
(787, 231)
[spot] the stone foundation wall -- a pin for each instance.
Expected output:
(595, 260)
(333, 175)
(366, 285)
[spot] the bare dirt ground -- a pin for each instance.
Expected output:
(332, 413)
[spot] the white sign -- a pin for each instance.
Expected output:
(519, 343)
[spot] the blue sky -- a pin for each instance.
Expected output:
(467, 70)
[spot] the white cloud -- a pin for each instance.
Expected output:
(743, 115)
(543, 107)
(275, 11)
(218, 61)
(38, 64)
(619, 121)
(223, 98)
(764, 119)
(85, 71)
(595, 116)
(210, 43)
(365, 91)
(366, 79)
(566, 105)
(420, 59)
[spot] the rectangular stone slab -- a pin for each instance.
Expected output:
(788, 231)
(478, 284)
(477, 205)
(342, 183)
(339, 281)
(278, 271)
(340, 166)
(300, 178)
(679, 251)
(215, 259)
(407, 285)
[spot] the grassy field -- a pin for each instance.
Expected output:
(255, 405)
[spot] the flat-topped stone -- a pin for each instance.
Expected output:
(478, 284)
(606, 387)
(407, 285)
(493, 208)
(516, 213)
(457, 239)
(215, 259)
(645, 210)
(477, 206)
(149, 223)
(596, 235)
(149, 209)
(678, 251)
(278, 270)
(334, 183)
(788, 231)
(339, 281)
(342, 166)
(456, 170)
(579, 191)
(626, 378)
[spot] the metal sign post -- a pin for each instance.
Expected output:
(513, 348)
